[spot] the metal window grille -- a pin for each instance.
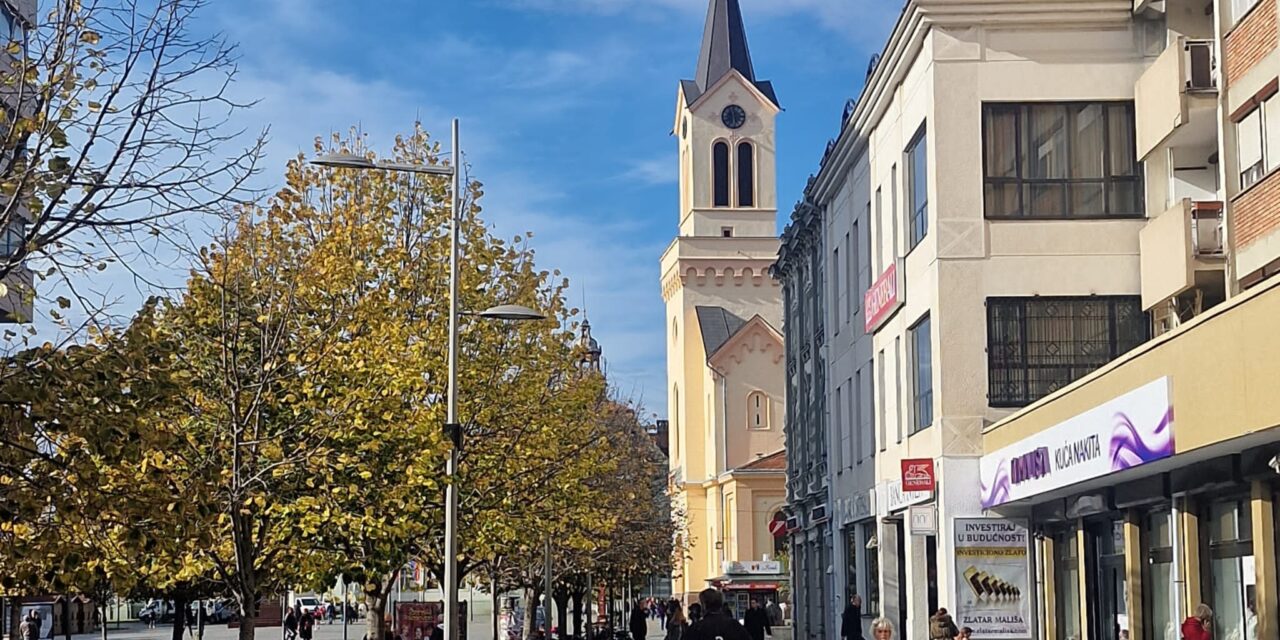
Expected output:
(1036, 346)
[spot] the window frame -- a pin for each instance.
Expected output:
(918, 224)
(1021, 183)
(738, 173)
(718, 180)
(921, 398)
(763, 411)
(1020, 305)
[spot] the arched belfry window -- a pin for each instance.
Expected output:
(757, 410)
(746, 174)
(720, 171)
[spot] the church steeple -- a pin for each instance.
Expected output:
(724, 48)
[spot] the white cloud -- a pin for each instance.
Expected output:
(661, 170)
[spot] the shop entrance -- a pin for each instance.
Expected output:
(1233, 583)
(1104, 544)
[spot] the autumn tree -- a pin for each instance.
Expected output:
(118, 129)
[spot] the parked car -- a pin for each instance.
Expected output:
(311, 605)
(159, 610)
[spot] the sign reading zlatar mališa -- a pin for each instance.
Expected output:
(993, 578)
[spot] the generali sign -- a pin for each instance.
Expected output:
(882, 299)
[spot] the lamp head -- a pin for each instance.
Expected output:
(511, 312)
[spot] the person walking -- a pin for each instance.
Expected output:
(756, 621)
(965, 633)
(851, 619)
(775, 613)
(941, 626)
(677, 626)
(307, 625)
(716, 623)
(639, 624)
(291, 624)
(1200, 625)
(30, 627)
(882, 629)
(695, 614)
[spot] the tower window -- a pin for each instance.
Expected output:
(746, 175)
(726, 232)
(757, 410)
(720, 168)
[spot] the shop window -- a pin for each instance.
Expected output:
(1157, 538)
(1036, 346)
(1061, 160)
(871, 606)
(1228, 534)
(1107, 599)
(1066, 573)
(850, 562)
(922, 375)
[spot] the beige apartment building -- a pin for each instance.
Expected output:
(994, 201)
(1178, 509)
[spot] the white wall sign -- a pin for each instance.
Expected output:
(1129, 431)
(993, 578)
(923, 519)
(752, 568)
(895, 499)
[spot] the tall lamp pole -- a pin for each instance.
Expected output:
(452, 427)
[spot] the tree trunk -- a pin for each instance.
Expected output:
(248, 616)
(530, 612)
(577, 616)
(494, 604)
(179, 617)
(375, 601)
(561, 599)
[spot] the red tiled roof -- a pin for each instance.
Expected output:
(772, 462)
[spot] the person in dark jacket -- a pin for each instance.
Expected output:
(716, 624)
(639, 624)
(851, 619)
(941, 626)
(677, 626)
(307, 625)
(695, 613)
(756, 621)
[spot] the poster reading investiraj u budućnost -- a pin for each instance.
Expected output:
(993, 578)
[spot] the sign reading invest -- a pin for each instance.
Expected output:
(993, 578)
(1129, 431)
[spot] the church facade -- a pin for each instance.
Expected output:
(723, 313)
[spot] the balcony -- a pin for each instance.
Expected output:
(1179, 88)
(1182, 249)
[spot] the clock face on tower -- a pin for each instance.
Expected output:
(733, 116)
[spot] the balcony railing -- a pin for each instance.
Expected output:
(1200, 65)
(1208, 221)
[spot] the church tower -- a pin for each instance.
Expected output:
(724, 349)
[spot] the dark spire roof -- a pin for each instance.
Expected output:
(724, 47)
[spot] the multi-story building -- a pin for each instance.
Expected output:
(990, 170)
(724, 352)
(17, 18)
(1151, 484)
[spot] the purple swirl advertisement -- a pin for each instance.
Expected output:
(1129, 431)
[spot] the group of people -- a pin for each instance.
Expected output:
(299, 624)
(941, 625)
(707, 619)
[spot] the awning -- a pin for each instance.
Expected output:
(749, 582)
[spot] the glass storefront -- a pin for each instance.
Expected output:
(850, 563)
(1108, 605)
(1157, 540)
(1066, 575)
(872, 604)
(1228, 533)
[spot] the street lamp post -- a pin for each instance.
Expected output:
(453, 429)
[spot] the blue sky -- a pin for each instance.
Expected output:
(566, 106)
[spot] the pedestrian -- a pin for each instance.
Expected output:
(882, 629)
(30, 627)
(775, 613)
(191, 620)
(639, 624)
(306, 626)
(851, 619)
(291, 625)
(677, 626)
(941, 626)
(1200, 625)
(663, 612)
(756, 621)
(716, 623)
(965, 633)
(695, 614)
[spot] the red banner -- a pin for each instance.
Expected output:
(918, 475)
(881, 300)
